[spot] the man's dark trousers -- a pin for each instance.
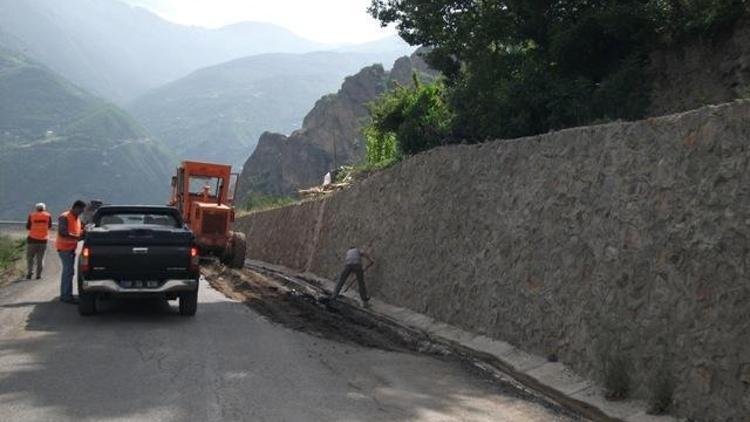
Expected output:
(357, 270)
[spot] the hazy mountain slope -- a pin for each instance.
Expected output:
(119, 52)
(218, 113)
(58, 143)
(34, 100)
(393, 43)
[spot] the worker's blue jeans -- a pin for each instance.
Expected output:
(68, 259)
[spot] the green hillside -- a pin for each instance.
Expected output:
(218, 113)
(58, 143)
(106, 122)
(34, 100)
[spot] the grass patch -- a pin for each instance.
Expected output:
(11, 251)
(355, 173)
(256, 202)
(259, 202)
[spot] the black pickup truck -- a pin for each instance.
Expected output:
(138, 251)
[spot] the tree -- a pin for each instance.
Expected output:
(407, 120)
(521, 67)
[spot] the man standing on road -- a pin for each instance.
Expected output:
(38, 225)
(353, 264)
(69, 232)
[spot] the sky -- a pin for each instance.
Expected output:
(328, 21)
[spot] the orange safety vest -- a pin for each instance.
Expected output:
(40, 222)
(74, 229)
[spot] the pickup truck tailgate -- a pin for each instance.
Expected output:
(138, 253)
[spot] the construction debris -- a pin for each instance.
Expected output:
(320, 191)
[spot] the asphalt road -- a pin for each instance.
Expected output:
(142, 361)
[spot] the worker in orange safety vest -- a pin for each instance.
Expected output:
(69, 232)
(38, 224)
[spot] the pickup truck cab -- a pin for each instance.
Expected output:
(138, 252)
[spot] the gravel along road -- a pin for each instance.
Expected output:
(247, 356)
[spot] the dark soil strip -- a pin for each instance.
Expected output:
(303, 312)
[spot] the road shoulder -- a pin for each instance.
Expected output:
(553, 380)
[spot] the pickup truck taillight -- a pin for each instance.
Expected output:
(84, 259)
(194, 259)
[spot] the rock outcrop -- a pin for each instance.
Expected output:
(218, 113)
(330, 135)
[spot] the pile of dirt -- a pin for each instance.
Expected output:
(303, 312)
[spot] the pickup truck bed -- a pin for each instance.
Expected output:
(135, 252)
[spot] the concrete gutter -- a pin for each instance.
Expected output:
(553, 380)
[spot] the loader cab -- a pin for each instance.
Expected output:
(203, 182)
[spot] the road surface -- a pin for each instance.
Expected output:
(142, 361)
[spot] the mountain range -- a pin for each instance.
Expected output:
(119, 52)
(58, 143)
(99, 99)
(218, 113)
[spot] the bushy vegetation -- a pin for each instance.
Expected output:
(689, 18)
(258, 202)
(407, 120)
(517, 67)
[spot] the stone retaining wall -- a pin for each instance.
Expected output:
(625, 242)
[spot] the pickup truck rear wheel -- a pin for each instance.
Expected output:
(86, 303)
(188, 303)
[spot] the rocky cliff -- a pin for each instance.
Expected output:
(330, 135)
(218, 113)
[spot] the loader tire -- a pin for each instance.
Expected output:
(239, 249)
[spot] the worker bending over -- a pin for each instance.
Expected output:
(353, 264)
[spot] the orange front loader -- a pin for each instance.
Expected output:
(204, 194)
